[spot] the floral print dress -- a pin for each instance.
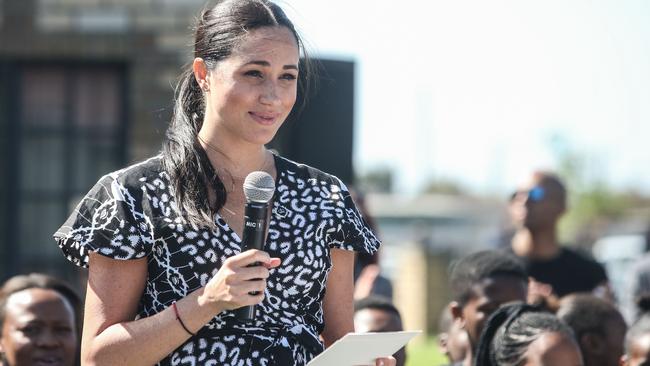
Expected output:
(131, 213)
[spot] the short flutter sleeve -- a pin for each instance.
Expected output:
(108, 221)
(350, 231)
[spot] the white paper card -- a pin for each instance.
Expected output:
(356, 349)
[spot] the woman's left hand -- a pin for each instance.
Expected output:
(386, 361)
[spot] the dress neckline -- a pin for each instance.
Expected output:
(221, 221)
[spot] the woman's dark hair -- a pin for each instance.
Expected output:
(219, 30)
(511, 329)
(42, 281)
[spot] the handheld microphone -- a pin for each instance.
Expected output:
(258, 188)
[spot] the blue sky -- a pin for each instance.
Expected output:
(474, 91)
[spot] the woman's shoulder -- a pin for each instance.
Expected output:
(327, 197)
(130, 182)
(138, 173)
(300, 171)
(111, 218)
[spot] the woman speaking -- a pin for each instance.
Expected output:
(162, 238)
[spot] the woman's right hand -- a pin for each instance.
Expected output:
(230, 288)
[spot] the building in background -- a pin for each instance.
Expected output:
(421, 236)
(86, 87)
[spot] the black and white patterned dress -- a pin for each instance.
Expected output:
(131, 214)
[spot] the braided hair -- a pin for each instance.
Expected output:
(509, 332)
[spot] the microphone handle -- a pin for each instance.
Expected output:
(254, 236)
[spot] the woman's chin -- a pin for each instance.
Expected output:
(261, 139)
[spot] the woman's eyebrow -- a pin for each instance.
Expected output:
(268, 64)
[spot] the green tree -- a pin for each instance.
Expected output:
(592, 202)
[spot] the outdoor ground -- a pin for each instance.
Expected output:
(425, 354)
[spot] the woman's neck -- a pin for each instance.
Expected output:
(236, 158)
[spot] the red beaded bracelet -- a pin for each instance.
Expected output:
(181, 320)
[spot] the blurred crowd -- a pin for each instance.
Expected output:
(494, 320)
(533, 301)
(530, 302)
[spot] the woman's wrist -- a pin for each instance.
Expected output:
(208, 302)
(195, 311)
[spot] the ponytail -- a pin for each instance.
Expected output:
(185, 160)
(502, 318)
(509, 332)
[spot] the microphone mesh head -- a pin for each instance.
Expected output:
(259, 187)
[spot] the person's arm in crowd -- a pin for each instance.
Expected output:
(111, 336)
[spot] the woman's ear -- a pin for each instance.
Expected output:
(201, 74)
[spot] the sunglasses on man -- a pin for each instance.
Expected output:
(534, 194)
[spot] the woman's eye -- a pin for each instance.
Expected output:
(289, 77)
(253, 73)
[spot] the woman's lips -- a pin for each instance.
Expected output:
(264, 118)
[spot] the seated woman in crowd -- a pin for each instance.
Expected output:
(38, 322)
(518, 334)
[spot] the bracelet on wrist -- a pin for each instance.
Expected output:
(178, 317)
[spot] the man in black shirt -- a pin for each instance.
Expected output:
(556, 271)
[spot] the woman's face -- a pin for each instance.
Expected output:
(39, 329)
(553, 349)
(253, 90)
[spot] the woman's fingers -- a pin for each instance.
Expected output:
(253, 286)
(252, 273)
(249, 257)
(272, 263)
(253, 258)
(241, 280)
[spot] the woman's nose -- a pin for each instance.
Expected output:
(269, 94)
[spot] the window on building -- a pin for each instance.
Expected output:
(69, 124)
